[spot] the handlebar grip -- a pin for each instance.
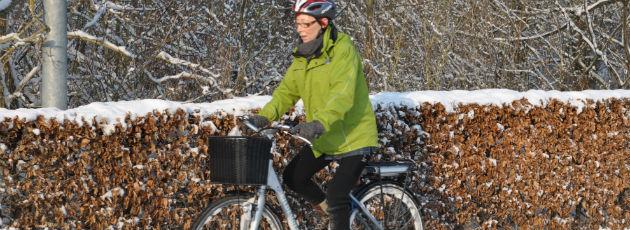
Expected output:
(250, 125)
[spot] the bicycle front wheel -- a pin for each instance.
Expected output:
(391, 205)
(235, 212)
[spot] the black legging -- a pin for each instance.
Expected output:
(298, 177)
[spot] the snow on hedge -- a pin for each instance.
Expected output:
(114, 112)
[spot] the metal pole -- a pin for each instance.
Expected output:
(55, 56)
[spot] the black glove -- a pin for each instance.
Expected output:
(309, 130)
(258, 121)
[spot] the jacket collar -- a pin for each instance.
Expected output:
(330, 37)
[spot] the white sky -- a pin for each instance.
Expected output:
(112, 112)
(4, 4)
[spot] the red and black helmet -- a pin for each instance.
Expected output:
(316, 8)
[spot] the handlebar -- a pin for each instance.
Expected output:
(282, 128)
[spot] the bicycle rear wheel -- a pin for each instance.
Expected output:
(235, 212)
(390, 204)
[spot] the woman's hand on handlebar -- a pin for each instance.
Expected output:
(258, 121)
(249, 122)
(309, 130)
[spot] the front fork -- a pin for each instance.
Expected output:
(274, 183)
(260, 207)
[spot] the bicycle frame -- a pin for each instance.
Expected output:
(364, 210)
(273, 182)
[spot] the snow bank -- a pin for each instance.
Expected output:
(498, 97)
(113, 112)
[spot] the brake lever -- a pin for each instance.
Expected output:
(251, 126)
(286, 129)
(244, 119)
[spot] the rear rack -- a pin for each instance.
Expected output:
(388, 169)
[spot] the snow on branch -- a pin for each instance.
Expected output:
(99, 13)
(591, 43)
(115, 6)
(22, 84)
(576, 10)
(176, 61)
(100, 41)
(15, 37)
(109, 6)
(185, 75)
(10, 37)
(579, 10)
(211, 79)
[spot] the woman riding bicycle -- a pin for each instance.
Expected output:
(327, 75)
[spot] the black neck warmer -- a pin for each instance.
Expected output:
(310, 49)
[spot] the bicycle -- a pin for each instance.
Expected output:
(382, 199)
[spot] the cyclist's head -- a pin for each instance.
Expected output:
(317, 8)
(312, 16)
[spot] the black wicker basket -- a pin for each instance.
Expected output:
(239, 160)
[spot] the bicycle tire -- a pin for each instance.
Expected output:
(216, 216)
(393, 193)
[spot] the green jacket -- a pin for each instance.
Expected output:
(335, 93)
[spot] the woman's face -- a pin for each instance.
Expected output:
(307, 26)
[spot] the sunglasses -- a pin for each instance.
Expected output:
(305, 24)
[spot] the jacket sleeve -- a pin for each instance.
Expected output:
(347, 68)
(285, 96)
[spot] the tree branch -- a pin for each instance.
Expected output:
(583, 35)
(99, 13)
(579, 10)
(27, 78)
(594, 74)
(10, 37)
(176, 61)
(184, 75)
(546, 34)
(100, 41)
(576, 10)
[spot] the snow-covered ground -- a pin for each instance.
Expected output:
(112, 112)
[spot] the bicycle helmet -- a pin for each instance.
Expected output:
(316, 8)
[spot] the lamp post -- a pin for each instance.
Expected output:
(55, 56)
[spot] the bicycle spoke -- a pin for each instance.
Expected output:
(385, 207)
(406, 223)
(392, 207)
(400, 213)
(404, 215)
(395, 213)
